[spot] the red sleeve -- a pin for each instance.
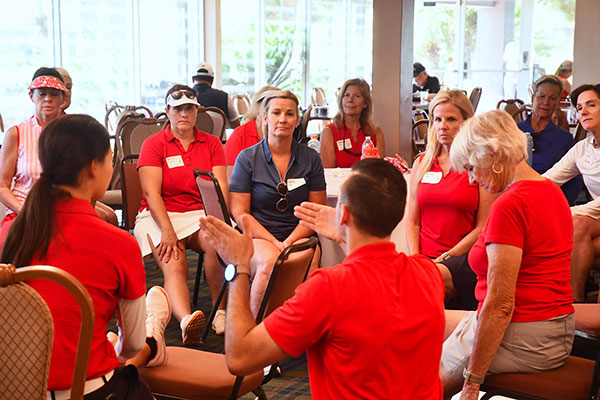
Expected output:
(132, 275)
(305, 314)
(217, 155)
(152, 153)
(507, 222)
(233, 146)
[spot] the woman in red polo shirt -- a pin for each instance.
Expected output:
(446, 212)
(342, 140)
(171, 205)
(249, 133)
(58, 226)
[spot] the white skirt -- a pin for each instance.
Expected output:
(184, 224)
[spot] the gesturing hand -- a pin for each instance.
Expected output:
(232, 246)
(318, 217)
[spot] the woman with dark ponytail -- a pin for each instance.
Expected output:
(58, 226)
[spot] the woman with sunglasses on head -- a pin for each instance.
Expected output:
(57, 226)
(167, 223)
(446, 213)
(342, 140)
(19, 164)
(268, 180)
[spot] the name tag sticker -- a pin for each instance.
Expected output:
(295, 183)
(432, 177)
(348, 144)
(340, 145)
(174, 161)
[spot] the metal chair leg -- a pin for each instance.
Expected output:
(198, 276)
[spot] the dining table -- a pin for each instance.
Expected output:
(332, 252)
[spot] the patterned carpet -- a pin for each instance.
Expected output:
(292, 384)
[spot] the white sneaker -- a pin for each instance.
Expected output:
(218, 324)
(191, 327)
(158, 315)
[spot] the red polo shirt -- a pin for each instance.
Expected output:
(179, 191)
(372, 326)
(107, 261)
(242, 137)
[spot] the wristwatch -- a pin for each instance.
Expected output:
(233, 270)
(469, 377)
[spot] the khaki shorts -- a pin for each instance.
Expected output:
(526, 346)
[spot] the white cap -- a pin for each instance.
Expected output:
(204, 69)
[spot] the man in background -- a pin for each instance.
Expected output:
(68, 84)
(423, 81)
(210, 97)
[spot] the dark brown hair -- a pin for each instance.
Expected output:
(376, 196)
(584, 88)
(65, 147)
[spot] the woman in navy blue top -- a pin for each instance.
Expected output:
(269, 179)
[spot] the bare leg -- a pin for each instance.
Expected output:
(106, 213)
(175, 273)
(585, 230)
(451, 387)
(212, 267)
(448, 284)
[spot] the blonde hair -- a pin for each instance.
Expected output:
(490, 138)
(458, 99)
(279, 94)
(366, 121)
(256, 104)
(551, 79)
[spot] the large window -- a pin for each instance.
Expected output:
(127, 52)
(501, 46)
(295, 44)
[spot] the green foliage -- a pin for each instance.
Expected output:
(279, 46)
(567, 7)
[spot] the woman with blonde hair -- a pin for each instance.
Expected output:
(269, 179)
(249, 133)
(445, 211)
(524, 322)
(342, 140)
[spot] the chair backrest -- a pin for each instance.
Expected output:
(289, 271)
(304, 122)
(318, 97)
(116, 112)
(211, 120)
(522, 113)
(1, 124)
(560, 118)
(419, 135)
(211, 195)
(130, 135)
(132, 190)
(241, 103)
(580, 134)
(474, 97)
(509, 105)
(26, 332)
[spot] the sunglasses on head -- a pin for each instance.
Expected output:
(190, 94)
(282, 204)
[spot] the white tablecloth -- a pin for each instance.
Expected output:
(332, 252)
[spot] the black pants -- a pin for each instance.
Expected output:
(125, 384)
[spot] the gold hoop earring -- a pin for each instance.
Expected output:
(494, 168)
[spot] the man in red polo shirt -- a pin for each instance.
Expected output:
(373, 326)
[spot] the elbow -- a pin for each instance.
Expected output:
(237, 365)
(501, 307)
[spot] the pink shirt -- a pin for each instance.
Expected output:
(28, 164)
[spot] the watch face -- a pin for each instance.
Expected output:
(230, 271)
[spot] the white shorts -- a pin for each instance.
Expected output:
(184, 224)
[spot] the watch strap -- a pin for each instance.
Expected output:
(470, 377)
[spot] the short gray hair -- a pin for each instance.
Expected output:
(492, 137)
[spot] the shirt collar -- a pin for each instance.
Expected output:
(374, 250)
(170, 137)
(269, 156)
(73, 205)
